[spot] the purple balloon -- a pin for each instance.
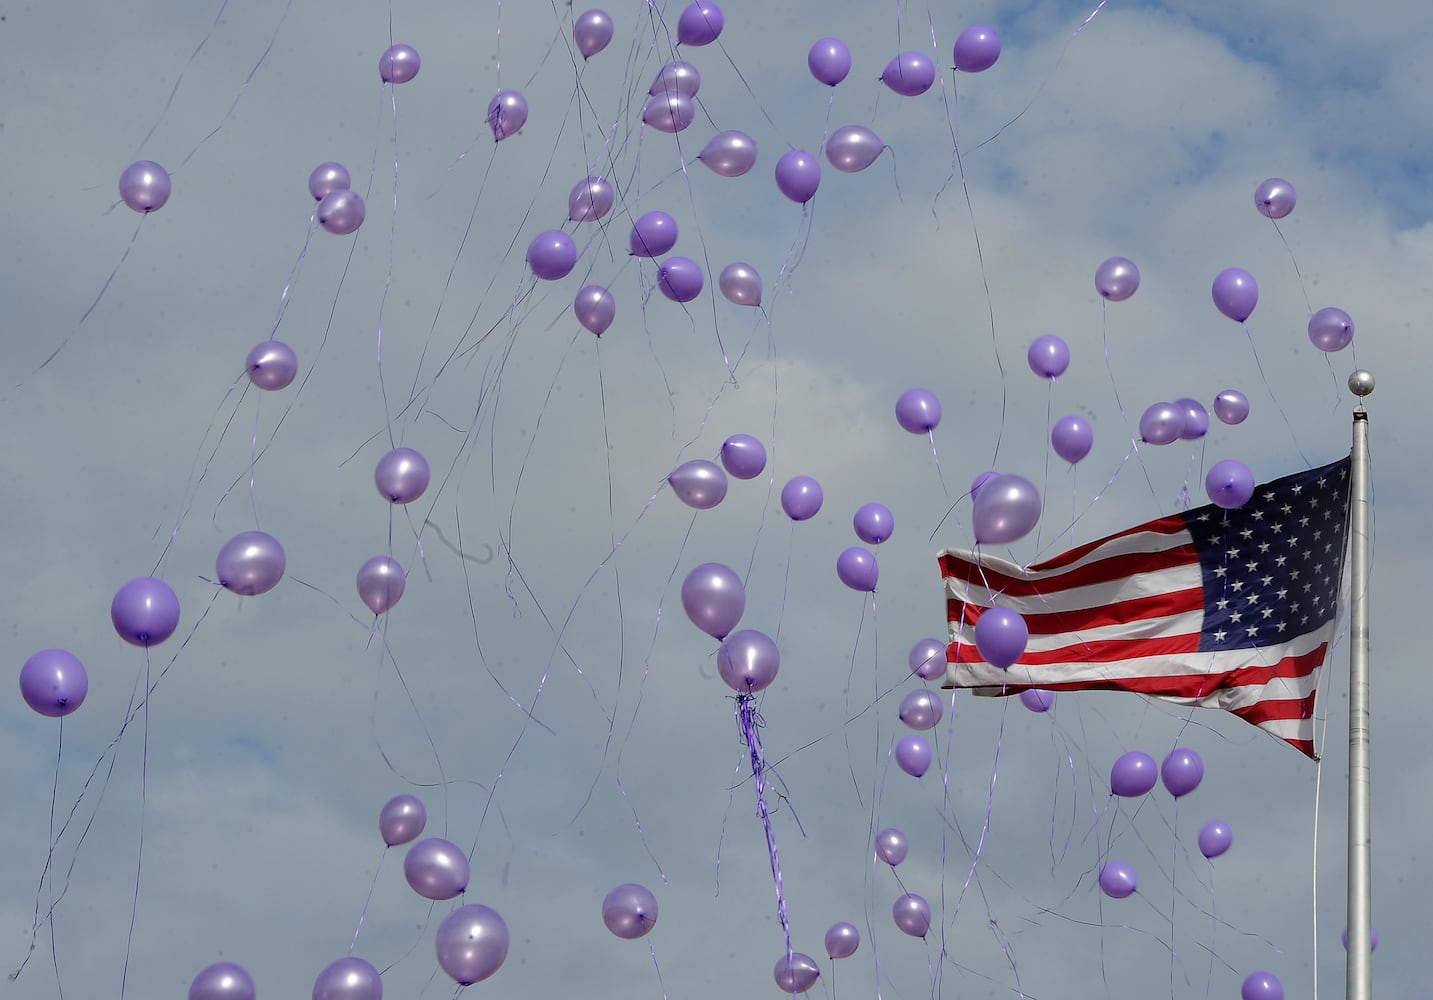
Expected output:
(144, 186)
(1235, 293)
(1072, 438)
(402, 819)
(552, 255)
(591, 32)
(927, 659)
(1229, 484)
(801, 498)
(399, 64)
(381, 582)
(748, 661)
(349, 978)
(798, 175)
(272, 365)
(1037, 700)
(680, 279)
(829, 61)
(699, 484)
(1275, 198)
(1196, 419)
(918, 411)
(1231, 406)
(472, 943)
(1048, 356)
(436, 869)
(714, 599)
(401, 475)
(1133, 774)
(873, 523)
(853, 148)
(740, 283)
(796, 973)
(1161, 424)
(1331, 329)
(145, 611)
(913, 755)
(1117, 279)
(669, 112)
(909, 74)
(912, 914)
(1261, 986)
(341, 212)
(921, 709)
(857, 569)
(630, 911)
(1372, 939)
(842, 940)
(976, 49)
(222, 981)
(327, 178)
(1215, 838)
(1181, 772)
(595, 308)
(743, 456)
(653, 234)
(699, 24)
(53, 682)
(1117, 880)
(978, 483)
(507, 114)
(1006, 509)
(590, 199)
(250, 563)
(676, 78)
(729, 154)
(1000, 636)
(891, 846)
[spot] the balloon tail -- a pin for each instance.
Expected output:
(143, 804)
(750, 723)
(369, 899)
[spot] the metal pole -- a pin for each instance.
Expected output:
(1360, 905)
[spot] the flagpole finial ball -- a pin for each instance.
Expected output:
(1360, 383)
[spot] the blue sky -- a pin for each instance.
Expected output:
(283, 722)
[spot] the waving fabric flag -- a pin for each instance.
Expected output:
(1231, 609)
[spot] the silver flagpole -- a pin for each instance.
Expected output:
(1360, 904)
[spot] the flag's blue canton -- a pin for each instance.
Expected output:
(1272, 567)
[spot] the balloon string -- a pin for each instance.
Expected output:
(1287, 422)
(371, 886)
(180, 78)
(54, 794)
(750, 723)
(294, 273)
(1173, 894)
(143, 804)
(653, 950)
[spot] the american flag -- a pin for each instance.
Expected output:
(1231, 609)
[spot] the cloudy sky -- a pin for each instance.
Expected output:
(545, 560)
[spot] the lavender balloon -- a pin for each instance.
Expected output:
(1006, 509)
(748, 661)
(399, 64)
(856, 567)
(381, 582)
(918, 411)
(921, 709)
(401, 475)
(591, 32)
(1331, 329)
(1161, 424)
(1181, 772)
(145, 611)
(507, 114)
(1229, 483)
(829, 61)
(976, 49)
(341, 212)
(1117, 880)
(1037, 700)
(552, 255)
(700, 23)
(909, 74)
(144, 186)
(796, 973)
(436, 869)
(842, 940)
(472, 943)
(1133, 774)
(873, 523)
(250, 563)
(1048, 356)
(222, 981)
(595, 308)
(590, 199)
(669, 112)
(1215, 838)
(1001, 635)
(699, 484)
(402, 819)
(676, 78)
(714, 599)
(1231, 406)
(913, 755)
(801, 498)
(798, 175)
(743, 456)
(729, 154)
(680, 279)
(927, 659)
(740, 283)
(1117, 279)
(853, 148)
(1261, 986)
(630, 911)
(1275, 198)
(327, 178)
(349, 978)
(979, 482)
(1196, 419)
(891, 846)
(912, 914)
(53, 682)
(1072, 438)
(1235, 293)
(272, 365)
(653, 234)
